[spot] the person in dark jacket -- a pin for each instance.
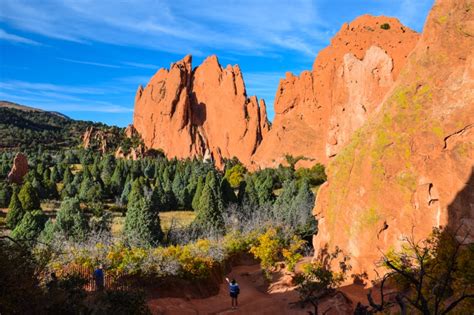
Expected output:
(234, 291)
(99, 278)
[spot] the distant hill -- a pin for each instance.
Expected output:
(7, 104)
(28, 129)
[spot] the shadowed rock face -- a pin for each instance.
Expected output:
(189, 113)
(317, 112)
(409, 166)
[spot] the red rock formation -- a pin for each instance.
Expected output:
(187, 112)
(19, 169)
(317, 112)
(131, 132)
(93, 136)
(411, 165)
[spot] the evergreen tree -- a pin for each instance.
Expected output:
(108, 166)
(68, 177)
(149, 171)
(55, 176)
(5, 194)
(117, 180)
(71, 221)
(136, 192)
(142, 224)
(30, 226)
(126, 191)
(15, 211)
(283, 206)
(210, 206)
(29, 197)
(180, 190)
(197, 194)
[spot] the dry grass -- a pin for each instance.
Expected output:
(181, 219)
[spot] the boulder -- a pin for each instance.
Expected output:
(19, 169)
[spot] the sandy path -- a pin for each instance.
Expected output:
(257, 298)
(252, 300)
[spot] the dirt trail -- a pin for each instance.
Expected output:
(255, 298)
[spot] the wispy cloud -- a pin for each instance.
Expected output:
(250, 27)
(90, 63)
(48, 87)
(140, 65)
(62, 98)
(17, 39)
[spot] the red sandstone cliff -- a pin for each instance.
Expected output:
(411, 165)
(317, 112)
(190, 112)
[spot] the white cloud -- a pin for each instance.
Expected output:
(16, 39)
(90, 63)
(140, 65)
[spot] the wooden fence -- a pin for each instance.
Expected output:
(111, 281)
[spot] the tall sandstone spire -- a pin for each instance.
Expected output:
(410, 167)
(317, 112)
(190, 112)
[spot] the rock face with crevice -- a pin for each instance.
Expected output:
(317, 112)
(410, 167)
(190, 112)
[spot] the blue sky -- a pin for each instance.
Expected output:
(86, 58)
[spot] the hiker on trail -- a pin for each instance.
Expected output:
(234, 291)
(99, 278)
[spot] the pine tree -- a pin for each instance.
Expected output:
(210, 206)
(68, 177)
(126, 191)
(15, 211)
(29, 197)
(71, 221)
(108, 167)
(283, 206)
(142, 224)
(197, 194)
(136, 192)
(5, 194)
(55, 176)
(117, 180)
(30, 226)
(180, 190)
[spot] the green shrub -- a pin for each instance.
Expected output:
(385, 26)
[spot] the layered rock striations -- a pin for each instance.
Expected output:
(190, 112)
(410, 167)
(317, 112)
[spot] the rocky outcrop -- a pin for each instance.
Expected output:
(186, 112)
(19, 169)
(133, 154)
(94, 137)
(317, 112)
(410, 167)
(131, 132)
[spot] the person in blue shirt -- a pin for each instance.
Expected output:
(99, 278)
(234, 291)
